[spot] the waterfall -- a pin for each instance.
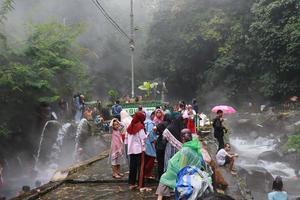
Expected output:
(57, 146)
(249, 150)
(41, 140)
(82, 126)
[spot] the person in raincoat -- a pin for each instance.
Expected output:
(117, 154)
(190, 154)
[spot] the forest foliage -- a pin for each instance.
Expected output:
(45, 67)
(246, 50)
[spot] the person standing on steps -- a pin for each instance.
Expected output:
(219, 129)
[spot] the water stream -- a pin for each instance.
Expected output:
(82, 127)
(249, 150)
(57, 146)
(42, 139)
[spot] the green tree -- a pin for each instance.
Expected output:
(46, 67)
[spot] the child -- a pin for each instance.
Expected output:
(117, 154)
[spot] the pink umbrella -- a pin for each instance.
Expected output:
(225, 109)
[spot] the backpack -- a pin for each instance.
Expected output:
(192, 183)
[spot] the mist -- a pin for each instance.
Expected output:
(106, 51)
(237, 53)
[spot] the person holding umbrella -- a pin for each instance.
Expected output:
(219, 129)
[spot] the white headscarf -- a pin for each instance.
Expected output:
(125, 118)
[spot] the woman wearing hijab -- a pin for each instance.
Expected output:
(150, 153)
(159, 116)
(190, 122)
(136, 147)
(117, 154)
(172, 135)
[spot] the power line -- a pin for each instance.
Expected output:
(110, 19)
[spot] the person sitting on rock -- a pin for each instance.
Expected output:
(224, 157)
(277, 193)
(189, 155)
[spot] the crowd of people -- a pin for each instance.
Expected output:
(171, 141)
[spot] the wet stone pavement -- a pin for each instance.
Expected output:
(96, 182)
(96, 191)
(98, 171)
(92, 179)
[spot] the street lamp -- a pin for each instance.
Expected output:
(132, 47)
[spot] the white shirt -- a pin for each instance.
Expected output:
(221, 155)
(136, 143)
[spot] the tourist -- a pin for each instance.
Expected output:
(190, 113)
(125, 120)
(181, 106)
(88, 114)
(150, 153)
(195, 106)
(117, 154)
(172, 135)
(159, 116)
(116, 110)
(160, 147)
(224, 157)
(189, 155)
(63, 109)
(79, 107)
(277, 193)
(99, 106)
(140, 108)
(218, 180)
(136, 147)
(219, 129)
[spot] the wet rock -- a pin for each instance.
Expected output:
(242, 121)
(258, 180)
(253, 135)
(293, 158)
(270, 156)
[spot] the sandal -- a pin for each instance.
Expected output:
(132, 187)
(220, 191)
(145, 189)
(150, 177)
(116, 176)
(233, 173)
(121, 174)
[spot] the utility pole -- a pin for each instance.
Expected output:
(131, 43)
